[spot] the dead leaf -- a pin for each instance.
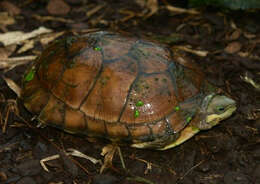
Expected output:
(10, 8)
(5, 19)
(108, 152)
(153, 6)
(16, 37)
(233, 47)
(13, 86)
(58, 7)
(50, 37)
(235, 35)
(150, 7)
(29, 44)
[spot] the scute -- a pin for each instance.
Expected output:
(92, 85)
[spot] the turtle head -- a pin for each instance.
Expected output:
(215, 108)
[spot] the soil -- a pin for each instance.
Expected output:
(228, 153)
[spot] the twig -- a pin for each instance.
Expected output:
(181, 10)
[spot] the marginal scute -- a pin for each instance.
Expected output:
(34, 96)
(53, 112)
(96, 128)
(159, 128)
(74, 120)
(176, 121)
(139, 133)
(117, 130)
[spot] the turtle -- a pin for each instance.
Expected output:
(122, 88)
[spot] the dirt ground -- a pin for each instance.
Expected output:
(225, 44)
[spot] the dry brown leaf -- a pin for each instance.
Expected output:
(233, 47)
(28, 44)
(5, 19)
(235, 35)
(50, 37)
(10, 8)
(153, 6)
(150, 6)
(108, 152)
(58, 7)
(13, 86)
(16, 37)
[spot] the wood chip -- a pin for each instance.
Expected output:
(58, 7)
(233, 47)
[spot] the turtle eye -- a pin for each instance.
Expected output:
(220, 108)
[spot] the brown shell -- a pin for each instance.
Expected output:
(107, 85)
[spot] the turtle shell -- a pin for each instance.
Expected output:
(107, 85)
